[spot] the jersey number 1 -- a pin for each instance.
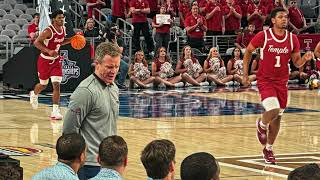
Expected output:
(277, 62)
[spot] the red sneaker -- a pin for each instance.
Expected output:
(261, 133)
(268, 156)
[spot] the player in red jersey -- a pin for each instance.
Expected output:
(278, 46)
(49, 66)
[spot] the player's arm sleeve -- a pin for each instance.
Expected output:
(79, 107)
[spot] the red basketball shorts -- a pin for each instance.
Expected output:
(273, 95)
(49, 69)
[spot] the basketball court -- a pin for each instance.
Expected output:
(220, 121)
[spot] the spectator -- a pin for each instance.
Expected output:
(113, 35)
(139, 72)
(170, 8)
(71, 151)
(91, 4)
(119, 10)
(232, 17)
(190, 69)
(244, 38)
(113, 158)
(162, 70)
(215, 18)
(200, 166)
(184, 8)
(162, 36)
(153, 5)
(297, 22)
(244, 5)
(266, 3)
(306, 172)
(139, 10)
(89, 29)
(196, 26)
(158, 159)
(202, 7)
(94, 106)
(256, 15)
(33, 29)
(215, 68)
(222, 2)
(277, 3)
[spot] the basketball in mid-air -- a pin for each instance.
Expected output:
(78, 41)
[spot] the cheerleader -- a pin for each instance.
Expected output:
(190, 69)
(235, 66)
(162, 70)
(215, 68)
(138, 71)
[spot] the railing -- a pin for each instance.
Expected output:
(7, 46)
(19, 42)
(126, 38)
(78, 13)
(98, 21)
(222, 42)
(127, 27)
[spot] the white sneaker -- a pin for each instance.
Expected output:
(188, 84)
(179, 84)
(162, 85)
(33, 100)
(204, 83)
(230, 83)
(56, 115)
(236, 83)
(253, 83)
(213, 83)
(150, 85)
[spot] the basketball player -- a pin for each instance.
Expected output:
(49, 66)
(278, 46)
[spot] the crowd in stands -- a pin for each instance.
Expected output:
(197, 19)
(158, 158)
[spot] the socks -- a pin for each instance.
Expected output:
(55, 107)
(269, 147)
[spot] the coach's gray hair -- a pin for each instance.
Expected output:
(106, 48)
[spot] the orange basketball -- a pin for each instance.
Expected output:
(78, 41)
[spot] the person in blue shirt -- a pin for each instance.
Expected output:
(158, 158)
(71, 151)
(113, 158)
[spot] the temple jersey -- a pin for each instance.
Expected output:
(275, 54)
(273, 72)
(54, 42)
(50, 67)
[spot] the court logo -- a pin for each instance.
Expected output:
(19, 151)
(69, 68)
(285, 163)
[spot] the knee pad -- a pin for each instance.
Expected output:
(44, 82)
(56, 79)
(271, 103)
